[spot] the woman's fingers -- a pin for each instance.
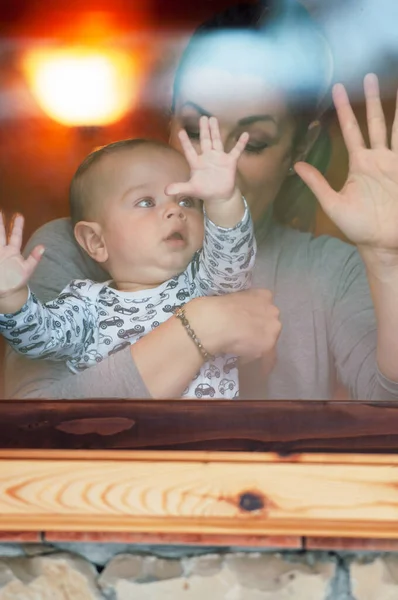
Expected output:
(204, 134)
(394, 133)
(253, 320)
(3, 235)
(268, 361)
(374, 112)
(16, 232)
(239, 146)
(349, 125)
(318, 185)
(188, 149)
(215, 135)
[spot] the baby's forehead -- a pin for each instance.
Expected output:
(146, 154)
(144, 164)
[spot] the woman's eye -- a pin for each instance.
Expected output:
(187, 202)
(146, 203)
(256, 148)
(192, 134)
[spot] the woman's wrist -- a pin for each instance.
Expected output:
(207, 322)
(381, 264)
(180, 314)
(166, 359)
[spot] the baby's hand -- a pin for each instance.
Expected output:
(14, 269)
(213, 171)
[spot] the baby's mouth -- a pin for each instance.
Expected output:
(176, 236)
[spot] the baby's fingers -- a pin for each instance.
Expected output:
(239, 146)
(174, 189)
(33, 259)
(16, 232)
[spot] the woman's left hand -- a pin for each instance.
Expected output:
(366, 209)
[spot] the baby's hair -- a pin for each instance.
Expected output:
(80, 201)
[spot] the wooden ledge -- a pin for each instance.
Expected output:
(284, 427)
(207, 493)
(200, 468)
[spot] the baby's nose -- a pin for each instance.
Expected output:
(175, 210)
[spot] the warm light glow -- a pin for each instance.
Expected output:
(82, 87)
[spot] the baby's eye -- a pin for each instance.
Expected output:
(146, 203)
(187, 202)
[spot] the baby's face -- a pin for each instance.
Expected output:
(149, 236)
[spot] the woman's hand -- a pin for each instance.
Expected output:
(245, 324)
(14, 269)
(366, 209)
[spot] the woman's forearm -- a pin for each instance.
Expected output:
(167, 359)
(382, 272)
(160, 365)
(115, 377)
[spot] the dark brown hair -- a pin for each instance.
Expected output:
(276, 21)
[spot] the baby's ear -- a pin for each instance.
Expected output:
(89, 236)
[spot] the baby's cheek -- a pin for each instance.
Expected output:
(200, 231)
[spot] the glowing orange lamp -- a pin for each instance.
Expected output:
(80, 86)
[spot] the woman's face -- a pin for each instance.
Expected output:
(240, 103)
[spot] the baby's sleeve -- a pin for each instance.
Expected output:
(226, 261)
(58, 330)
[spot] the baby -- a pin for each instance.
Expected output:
(159, 246)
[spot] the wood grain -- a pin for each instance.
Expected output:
(258, 468)
(284, 427)
(204, 456)
(215, 496)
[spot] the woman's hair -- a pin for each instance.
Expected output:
(301, 64)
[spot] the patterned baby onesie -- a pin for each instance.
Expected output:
(90, 321)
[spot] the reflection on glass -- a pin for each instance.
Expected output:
(80, 86)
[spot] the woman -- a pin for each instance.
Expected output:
(270, 82)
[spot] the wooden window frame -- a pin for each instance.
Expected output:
(255, 468)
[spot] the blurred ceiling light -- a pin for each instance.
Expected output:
(82, 87)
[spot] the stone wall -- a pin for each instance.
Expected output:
(89, 571)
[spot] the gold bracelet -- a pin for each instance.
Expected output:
(180, 314)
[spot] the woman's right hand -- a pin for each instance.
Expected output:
(245, 324)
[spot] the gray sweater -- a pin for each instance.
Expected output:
(319, 285)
